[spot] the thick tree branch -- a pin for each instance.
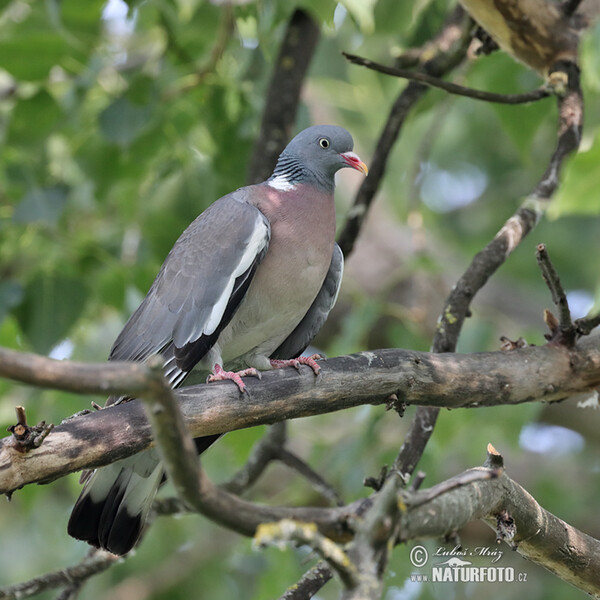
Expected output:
(390, 514)
(540, 536)
(421, 378)
(536, 32)
(479, 493)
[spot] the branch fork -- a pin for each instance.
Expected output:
(26, 437)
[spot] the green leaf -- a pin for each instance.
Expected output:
(44, 205)
(322, 10)
(111, 285)
(362, 12)
(392, 16)
(38, 35)
(11, 293)
(122, 121)
(33, 119)
(30, 55)
(82, 19)
(52, 303)
(578, 193)
(499, 73)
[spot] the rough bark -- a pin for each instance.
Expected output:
(421, 378)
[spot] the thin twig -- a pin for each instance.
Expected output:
(448, 50)
(487, 261)
(21, 416)
(288, 531)
(585, 325)
(310, 583)
(263, 452)
(95, 562)
(296, 463)
(444, 487)
(27, 437)
(448, 86)
(566, 329)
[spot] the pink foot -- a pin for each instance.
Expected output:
(311, 361)
(221, 375)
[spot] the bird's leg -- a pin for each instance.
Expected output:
(220, 374)
(311, 361)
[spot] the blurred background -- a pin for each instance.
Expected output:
(119, 124)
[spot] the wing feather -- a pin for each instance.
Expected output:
(199, 286)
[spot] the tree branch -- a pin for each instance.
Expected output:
(370, 551)
(540, 536)
(318, 483)
(263, 452)
(174, 442)
(306, 534)
(586, 325)
(95, 562)
(448, 50)
(421, 378)
(487, 261)
(481, 493)
(564, 332)
(450, 87)
(279, 114)
(310, 583)
(272, 447)
(114, 378)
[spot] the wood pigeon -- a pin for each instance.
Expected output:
(247, 286)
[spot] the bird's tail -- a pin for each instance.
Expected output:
(112, 508)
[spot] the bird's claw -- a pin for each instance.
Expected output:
(310, 361)
(236, 376)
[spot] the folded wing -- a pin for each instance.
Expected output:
(198, 288)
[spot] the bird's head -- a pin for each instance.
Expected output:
(317, 153)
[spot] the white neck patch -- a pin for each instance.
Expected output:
(281, 183)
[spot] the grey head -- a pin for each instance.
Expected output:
(314, 156)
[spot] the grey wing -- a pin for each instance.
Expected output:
(295, 344)
(198, 288)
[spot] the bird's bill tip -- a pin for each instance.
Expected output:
(353, 160)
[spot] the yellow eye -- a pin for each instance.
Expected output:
(324, 143)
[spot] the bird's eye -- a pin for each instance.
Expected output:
(324, 143)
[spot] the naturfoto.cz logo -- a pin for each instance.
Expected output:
(457, 568)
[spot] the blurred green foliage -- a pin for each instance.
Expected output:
(118, 128)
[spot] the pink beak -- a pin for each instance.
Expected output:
(354, 161)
